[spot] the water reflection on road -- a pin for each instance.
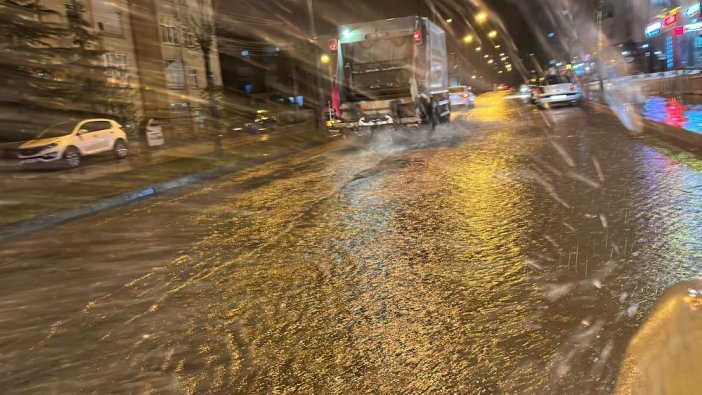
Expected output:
(513, 251)
(673, 112)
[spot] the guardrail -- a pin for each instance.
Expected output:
(669, 83)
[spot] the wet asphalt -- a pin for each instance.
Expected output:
(510, 251)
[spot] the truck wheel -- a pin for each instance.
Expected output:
(424, 113)
(435, 117)
(447, 118)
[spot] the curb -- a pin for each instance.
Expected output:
(14, 231)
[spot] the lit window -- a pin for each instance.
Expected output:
(169, 30)
(174, 74)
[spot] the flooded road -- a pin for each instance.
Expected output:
(511, 251)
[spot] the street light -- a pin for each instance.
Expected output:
(449, 20)
(491, 61)
(492, 34)
(481, 17)
(468, 38)
(325, 59)
(479, 49)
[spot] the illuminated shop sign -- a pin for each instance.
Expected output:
(693, 27)
(693, 10)
(653, 29)
(670, 19)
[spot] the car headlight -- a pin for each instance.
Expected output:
(50, 146)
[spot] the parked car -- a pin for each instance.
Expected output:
(558, 90)
(262, 121)
(69, 141)
(461, 96)
(528, 92)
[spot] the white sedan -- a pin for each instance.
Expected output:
(461, 96)
(557, 89)
(68, 142)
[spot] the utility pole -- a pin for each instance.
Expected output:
(317, 79)
(600, 64)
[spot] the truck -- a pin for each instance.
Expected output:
(392, 73)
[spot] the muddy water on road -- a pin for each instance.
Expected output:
(512, 251)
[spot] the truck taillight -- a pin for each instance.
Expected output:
(418, 36)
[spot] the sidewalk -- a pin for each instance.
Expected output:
(31, 195)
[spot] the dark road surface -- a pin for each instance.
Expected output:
(512, 251)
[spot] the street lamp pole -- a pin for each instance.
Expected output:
(315, 41)
(600, 64)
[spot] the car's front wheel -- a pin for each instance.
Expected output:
(71, 157)
(120, 149)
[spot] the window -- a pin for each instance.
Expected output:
(108, 18)
(174, 74)
(169, 30)
(190, 39)
(557, 79)
(96, 126)
(193, 80)
(117, 68)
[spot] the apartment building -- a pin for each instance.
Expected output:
(152, 46)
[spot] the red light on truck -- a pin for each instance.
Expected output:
(418, 36)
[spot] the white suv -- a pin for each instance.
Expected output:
(69, 141)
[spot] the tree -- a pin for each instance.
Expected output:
(54, 69)
(200, 23)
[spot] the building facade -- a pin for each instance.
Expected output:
(673, 35)
(153, 46)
